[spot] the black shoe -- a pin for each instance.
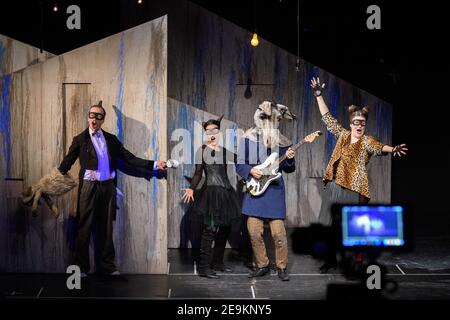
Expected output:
(222, 268)
(259, 272)
(283, 274)
(327, 266)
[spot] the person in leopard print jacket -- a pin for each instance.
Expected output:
(346, 172)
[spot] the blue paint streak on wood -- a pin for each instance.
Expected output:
(186, 120)
(384, 121)
(246, 61)
(120, 80)
(308, 96)
(201, 50)
(231, 95)
(5, 118)
(280, 72)
(231, 138)
(155, 149)
(120, 88)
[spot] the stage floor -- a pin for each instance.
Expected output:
(422, 274)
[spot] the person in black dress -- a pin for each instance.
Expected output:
(216, 202)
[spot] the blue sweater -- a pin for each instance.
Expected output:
(271, 204)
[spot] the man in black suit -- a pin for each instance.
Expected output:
(100, 154)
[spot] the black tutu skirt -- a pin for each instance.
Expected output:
(216, 206)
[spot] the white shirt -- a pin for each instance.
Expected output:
(103, 171)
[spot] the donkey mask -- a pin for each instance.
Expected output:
(267, 120)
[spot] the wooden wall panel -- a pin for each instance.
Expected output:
(128, 71)
(16, 55)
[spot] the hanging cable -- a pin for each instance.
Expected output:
(254, 42)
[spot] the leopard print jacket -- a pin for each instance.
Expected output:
(348, 164)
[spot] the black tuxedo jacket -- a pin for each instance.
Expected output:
(120, 158)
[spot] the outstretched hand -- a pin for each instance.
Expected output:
(188, 195)
(317, 86)
(399, 150)
(161, 165)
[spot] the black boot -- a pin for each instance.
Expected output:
(283, 274)
(259, 272)
(204, 269)
(327, 266)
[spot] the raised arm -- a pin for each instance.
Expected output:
(332, 124)
(318, 87)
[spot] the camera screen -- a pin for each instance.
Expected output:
(377, 226)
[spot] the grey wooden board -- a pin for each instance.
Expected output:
(127, 70)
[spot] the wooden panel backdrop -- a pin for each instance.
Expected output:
(206, 67)
(128, 71)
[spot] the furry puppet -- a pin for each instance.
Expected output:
(52, 184)
(267, 120)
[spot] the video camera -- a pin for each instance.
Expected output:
(354, 241)
(372, 228)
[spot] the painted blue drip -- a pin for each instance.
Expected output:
(307, 93)
(199, 94)
(120, 89)
(120, 80)
(280, 71)
(5, 118)
(231, 138)
(383, 122)
(246, 61)
(150, 94)
(155, 149)
(185, 119)
(231, 95)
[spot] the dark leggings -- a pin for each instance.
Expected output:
(208, 255)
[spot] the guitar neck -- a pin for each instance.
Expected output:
(295, 147)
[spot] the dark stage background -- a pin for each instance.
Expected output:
(404, 63)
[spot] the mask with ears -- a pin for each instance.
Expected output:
(267, 120)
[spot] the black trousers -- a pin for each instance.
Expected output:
(209, 256)
(96, 213)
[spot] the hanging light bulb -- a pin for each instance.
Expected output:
(55, 7)
(139, 1)
(254, 42)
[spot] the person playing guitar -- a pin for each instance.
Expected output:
(270, 206)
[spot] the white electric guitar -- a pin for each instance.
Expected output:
(270, 167)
